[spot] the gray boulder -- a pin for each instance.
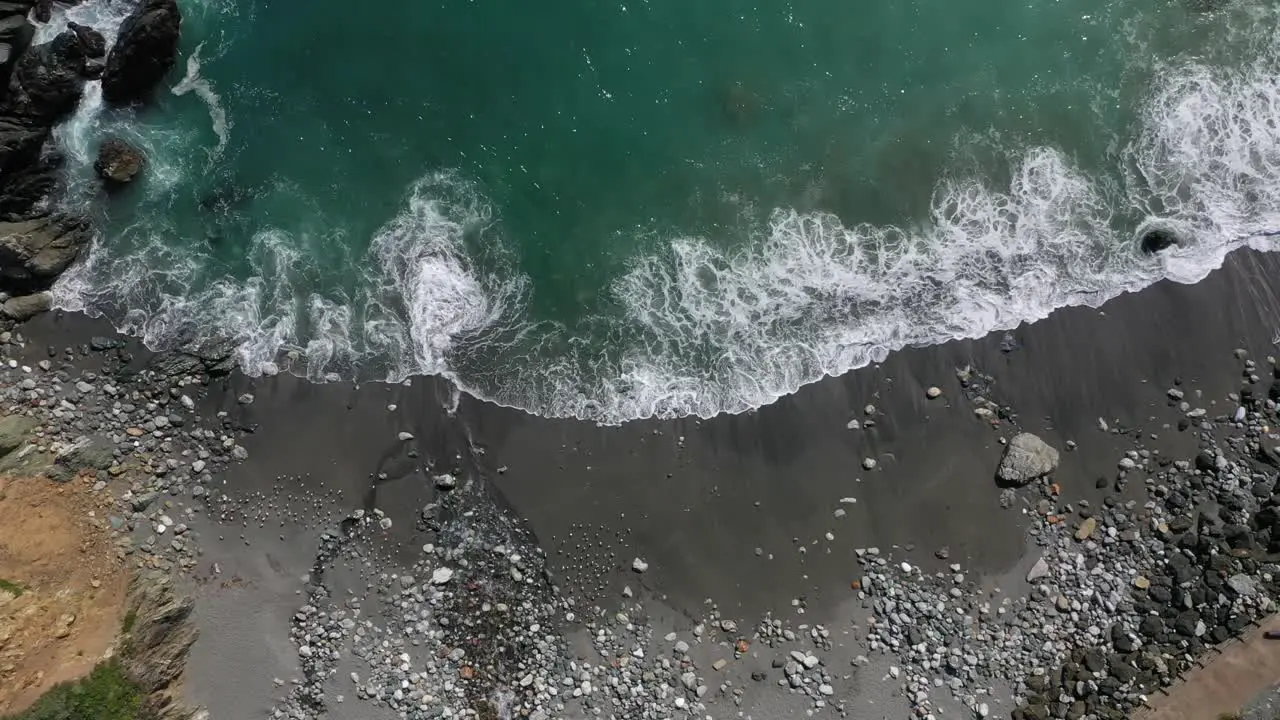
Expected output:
(33, 253)
(14, 431)
(25, 307)
(1026, 458)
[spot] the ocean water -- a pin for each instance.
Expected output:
(625, 209)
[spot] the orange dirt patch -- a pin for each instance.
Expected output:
(55, 545)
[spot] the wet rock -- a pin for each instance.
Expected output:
(35, 252)
(145, 50)
(91, 41)
(1156, 240)
(1026, 458)
(118, 162)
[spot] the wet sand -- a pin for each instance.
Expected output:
(696, 498)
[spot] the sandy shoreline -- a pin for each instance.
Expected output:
(696, 499)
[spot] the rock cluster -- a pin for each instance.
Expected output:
(1125, 595)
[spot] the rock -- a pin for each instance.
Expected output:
(1086, 529)
(146, 49)
(1157, 239)
(1025, 458)
(85, 453)
(441, 576)
(118, 162)
(868, 463)
(1243, 585)
(47, 83)
(153, 651)
(25, 307)
(1039, 570)
(14, 431)
(34, 253)
(92, 43)
(933, 393)
(639, 565)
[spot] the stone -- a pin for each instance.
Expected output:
(1026, 458)
(441, 576)
(933, 393)
(146, 48)
(25, 307)
(639, 565)
(1243, 585)
(1157, 239)
(33, 253)
(1086, 528)
(1038, 571)
(868, 463)
(14, 431)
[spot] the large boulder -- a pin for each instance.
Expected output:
(15, 36)
(1026, 458)
(91, 41)
(47, 82)
(118, 162)
(145, 50)
(27, 185)
(24, 307)
(33, 253)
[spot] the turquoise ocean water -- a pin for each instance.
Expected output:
(614, 210)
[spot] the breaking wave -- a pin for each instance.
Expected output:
(700, 330)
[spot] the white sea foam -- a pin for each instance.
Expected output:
(701, 330)
(193, 82)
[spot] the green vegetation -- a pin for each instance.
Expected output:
(130, 618)
(12, 588)
(106, 694)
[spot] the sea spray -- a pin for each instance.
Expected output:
(687, 321)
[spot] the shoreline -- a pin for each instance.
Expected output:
(693, 499)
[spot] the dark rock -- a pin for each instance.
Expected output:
(1151, 626)
(118, 162)
(47, 82)
(1155, 240)
(27, 186)
(91, 41)
(1122, 671)
(1094, 660)
(102, 344)
(25, 307)
(1185, 624)
(144, 52)
(34, 253)
(1205, 461)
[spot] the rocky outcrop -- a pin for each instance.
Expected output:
(118, 162)
(145, 50)
(47, 82)
(157, 638)
(15, 35)
(1026, 458)
(91, 41)
(213, 357)
(33, 253)
(25, 307)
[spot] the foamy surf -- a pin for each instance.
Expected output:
(193, 82)
(700, 330)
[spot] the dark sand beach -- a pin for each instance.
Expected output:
(734, 510)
